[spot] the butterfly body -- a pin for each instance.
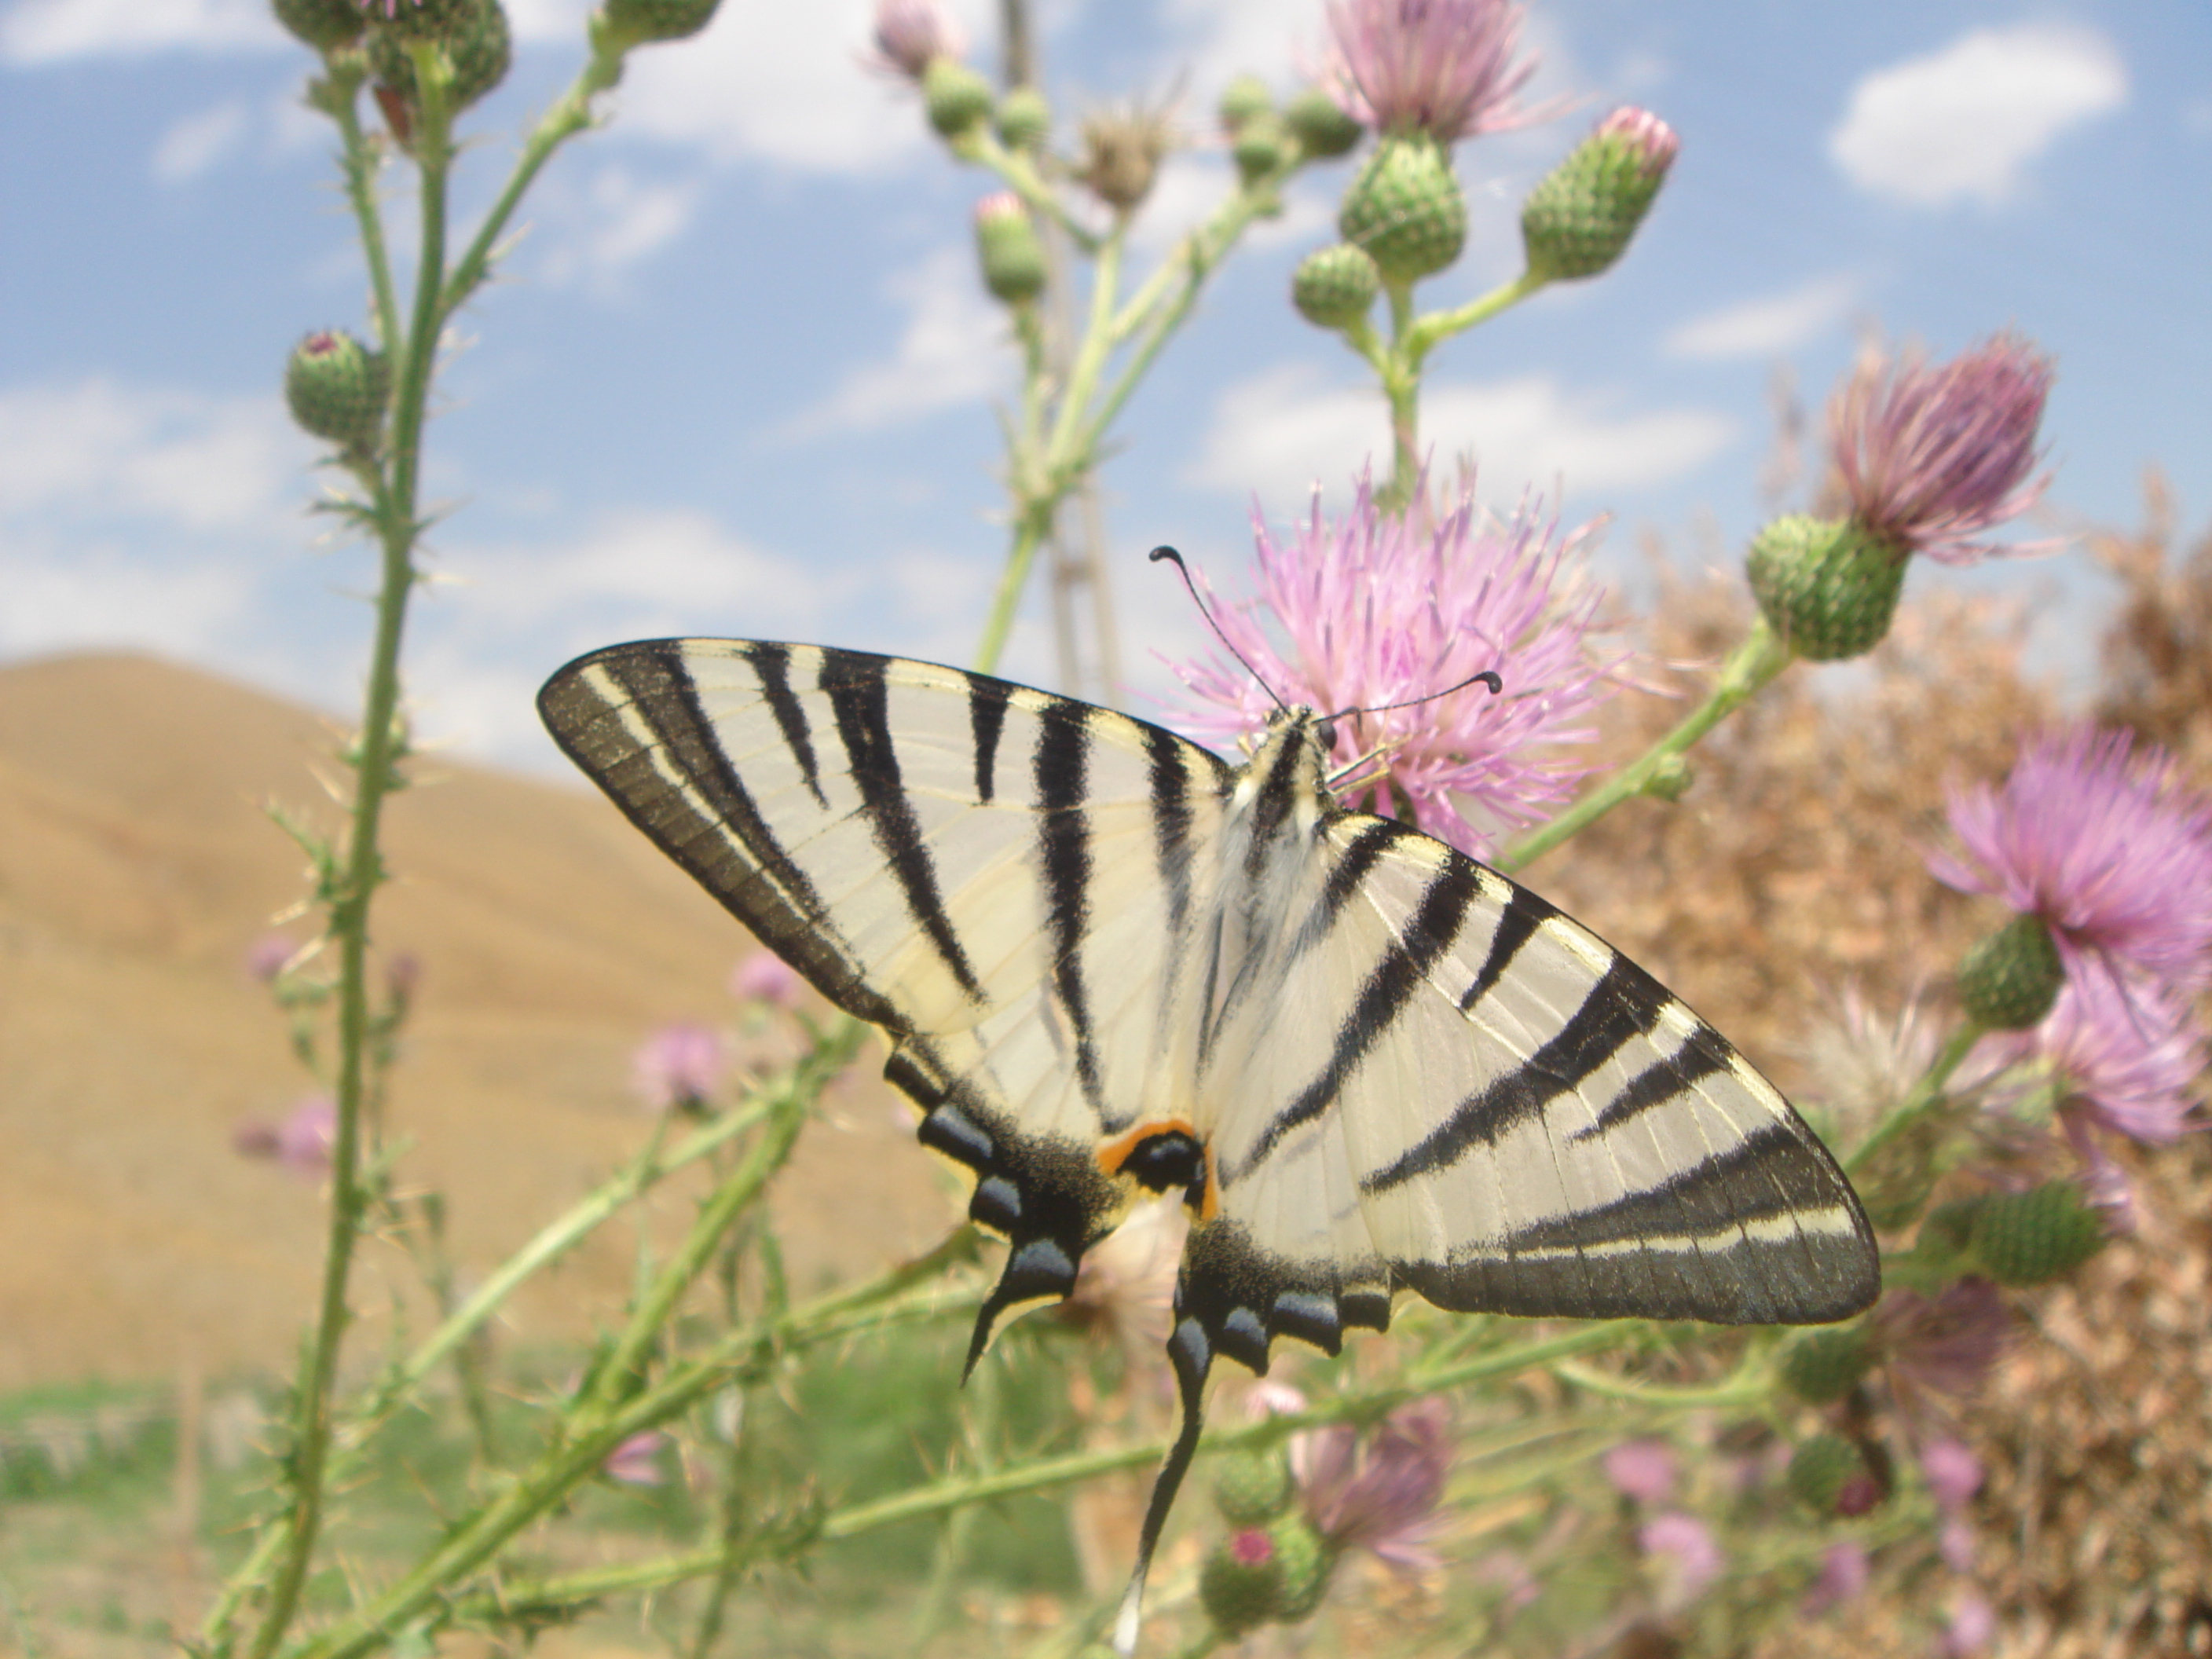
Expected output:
(1109, 962)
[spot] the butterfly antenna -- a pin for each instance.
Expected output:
(1488, 677)
(1192, 1355)
(1176, 559)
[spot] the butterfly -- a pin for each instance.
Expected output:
(1108, 962)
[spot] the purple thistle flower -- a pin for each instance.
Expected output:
(679, 1066)
(2126, 1058)
(1442, 67)
(1932, 457)
(765, 976)
(1382, 1497)
(300, 1144)
(1953, 1473)
(269, 956)
(911, 34)
(1955, 1542)
(1685, 1552)
(2103, 843)
(1642, 1469)
(1943, 1347)
(1250, 1546)
(636, 1461)
(1972, 1626)
(1846, 1569)
(1380, 611)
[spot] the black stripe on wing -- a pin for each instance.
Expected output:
(772, 664)
(708, 824)
(858, 691)
(1061, 765)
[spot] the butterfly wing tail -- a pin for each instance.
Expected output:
(1191, 1352)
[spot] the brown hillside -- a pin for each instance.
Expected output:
(136, 865)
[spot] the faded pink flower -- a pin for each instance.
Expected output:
(1643, 1469)
(269, 956)
(1972, 1626)
(636, 1461)
(1953, 1473)
(1930, 458)
(765, 976)
(1944, 1347)
(300, 1144)
(911, 34)
(1125, 1287)
(1955, 1542)
(679, 1066)
(2104, 843)
(1380, 1497)
(1443, 67)
(1845, 1570)
(1379, 611)
(1683, 1549)
(1652, 138)
(1250, 1546)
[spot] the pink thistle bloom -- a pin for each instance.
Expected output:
(2126, 1058)
(1685, 1551)
(269, 956)
(636, 1461)
(1250, 1546)
(1953, 1473)
(2100, 842)
(1382, 1497)
(1946, 1347)
(1649, 137)
(1379, 611)
(1642, 1469)
(1955, 1542)
(1846, 1569)
(300, 1144)
(765, 976)
(1973, 1627)
(1930, 458)
(1124, 1290)
(911, 34)
(679, 1066)
(1443, 67)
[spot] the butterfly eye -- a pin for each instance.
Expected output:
(1325, 733)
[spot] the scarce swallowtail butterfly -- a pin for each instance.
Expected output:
(1109, 962)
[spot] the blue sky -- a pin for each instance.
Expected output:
(739, 377)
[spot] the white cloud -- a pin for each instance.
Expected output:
(954, 351)
(48, 31)
(98, 448)
(1277, 433)
(1766, 327)
(1965, 122)
(780, 83)
(199, 141)
(613, 222)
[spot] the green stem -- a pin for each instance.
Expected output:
(984, 1421)
(360, 160)
(1401, 388)
(1748, 669)
(1029, 531)
(1925, 1095)
(364, 870)
(1431, 331)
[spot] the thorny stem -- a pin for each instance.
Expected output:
(378, 749)
(1925, 1095)
(1749, 668)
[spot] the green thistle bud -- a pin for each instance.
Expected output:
(955, 96)
(2009, 980)
(1242, 1583)
(326, 25)
(336, 388)
(1405, 208)
(2035, 1237)
(1582, 213)
(1948, 1228)
(1024, 118)
(1122, 149)
(1333, 287)
(633, 23)
(1828, 586)
(1306, 1562)
(1821, 1471)
(1825, 1365)
(1252, 1487)
(419, 20)
(1263, 144)
(1320, 125)
(1244, 99)
(479, 54)
(1007, 247)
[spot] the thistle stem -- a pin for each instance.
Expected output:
(1924, 1095)
(1749, 668)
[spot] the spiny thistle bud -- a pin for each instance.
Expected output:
(1320, 125)
(1121, 154)
(1244, 99)
(1947, 1228)
(1581, 214)
(1252, 1487)
(955, 97)
(1820, 1366)
(326, 25)
(1007, 246)
(2009, 980)
(1263, 144)
(1828, 586)
(1025, 119)
(1241, 1582)
(2032, 1237)
(418, 20)
(1334, 287)
(336, 388)
(479, 53)
(634, 22)
(1405, 208)
(1306, 1561)
(1822, 1471)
